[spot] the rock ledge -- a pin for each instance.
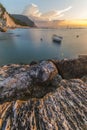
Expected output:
(51, 95)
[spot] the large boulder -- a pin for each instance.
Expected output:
(73, 68)
(28, 83)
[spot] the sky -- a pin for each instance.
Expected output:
(48, 9)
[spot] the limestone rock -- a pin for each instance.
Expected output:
(73, 68)
(38, 98)
(27, 83)
(64, 109)
(84, 78)
(12, 69)
(43, 72)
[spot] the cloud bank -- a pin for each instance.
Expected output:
(33, 12)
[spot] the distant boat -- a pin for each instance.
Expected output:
(41, 39)
(57, 38)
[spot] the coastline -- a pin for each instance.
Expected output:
(51, 94)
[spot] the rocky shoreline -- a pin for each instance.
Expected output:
(49, 95)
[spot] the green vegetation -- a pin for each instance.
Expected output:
(17, 21)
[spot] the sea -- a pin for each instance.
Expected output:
(21, 46)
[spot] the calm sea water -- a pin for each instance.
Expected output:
(24, 45)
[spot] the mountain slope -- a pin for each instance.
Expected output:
(7, 20)
(24, 19)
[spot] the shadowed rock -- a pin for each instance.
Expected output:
(74, 68)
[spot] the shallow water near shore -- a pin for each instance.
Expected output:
(26, 45)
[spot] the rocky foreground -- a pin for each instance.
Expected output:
(50, 95)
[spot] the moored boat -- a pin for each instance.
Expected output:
(57, 38)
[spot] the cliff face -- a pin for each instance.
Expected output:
(5, 18)
(38, 98)
(12, 21)
(9, 21)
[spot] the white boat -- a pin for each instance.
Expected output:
(57, 38)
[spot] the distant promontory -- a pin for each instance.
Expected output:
(13, 21)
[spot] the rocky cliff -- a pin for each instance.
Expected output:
(5, 19)
(11, 21)
(50, 95)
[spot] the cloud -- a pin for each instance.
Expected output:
(64, 10)
(33, 12)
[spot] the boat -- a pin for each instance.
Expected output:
(41, 39)
(57, 38)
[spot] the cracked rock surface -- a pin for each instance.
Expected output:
(38, 98)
